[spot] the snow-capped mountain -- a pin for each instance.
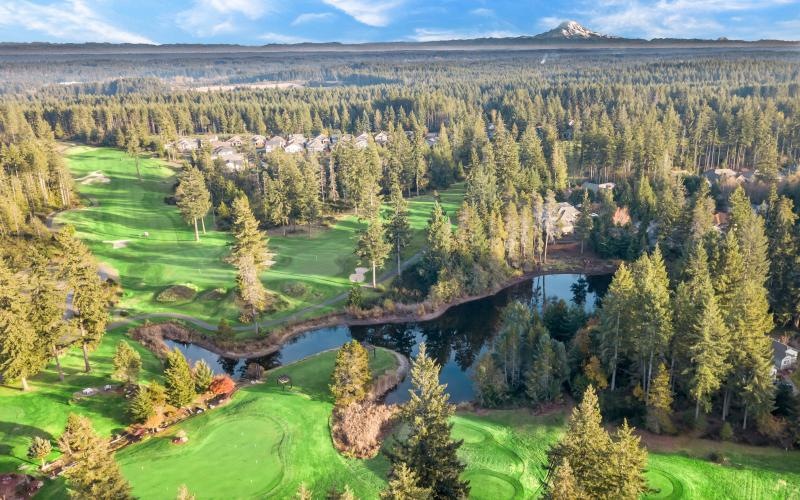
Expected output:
(571, 30)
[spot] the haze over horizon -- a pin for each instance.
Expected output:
(257, 22)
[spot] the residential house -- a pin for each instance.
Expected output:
(783, 357)
(316, 145)
(211, 140)
(234, 163)
(718, 175)
(186, 144)
(362, 140)
(275, 143)
(235, 141)
(258, 141)
(622, 217)
(223, 152)
(567, 215)
(606, 185)
(432, 138)
(298, 138)
(381, 138)
(295, 147)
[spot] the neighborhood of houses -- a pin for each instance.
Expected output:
(232, 151)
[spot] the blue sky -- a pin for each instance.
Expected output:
(256, 22)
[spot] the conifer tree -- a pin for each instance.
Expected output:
(583, 226)
(548, 372)
(351, 376)
(39, 449)
(19, 358)
(203, 375)
(429, 449)
(563, 486)
(784, 292)
(616, 327)
(193, 198)
(134, 149)
(178, 379)
(249, 256)
(141, 405)
(94, 472)
(404, 485)
(659, 402)
(398, 230)
(372, 247)
(46, 315)
(558, 167)
(127, 363)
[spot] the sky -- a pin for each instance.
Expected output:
(258, 22)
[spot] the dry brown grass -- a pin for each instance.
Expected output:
(358, 430)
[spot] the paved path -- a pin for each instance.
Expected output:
(386, 276)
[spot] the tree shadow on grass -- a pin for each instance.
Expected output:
(19, 431)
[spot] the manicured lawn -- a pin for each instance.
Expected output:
(265, 443)
(44, 409)
(307, 270)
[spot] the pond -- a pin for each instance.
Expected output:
(456, 339)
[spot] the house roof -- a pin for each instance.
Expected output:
(780, 351)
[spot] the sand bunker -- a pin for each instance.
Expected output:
(96, 177)
(358, 277)
(118, 243)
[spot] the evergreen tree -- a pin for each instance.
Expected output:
(193, 199)
(428, 449)
(94, 472)
(178, 380)
(19, 358)
(141, 405)
(203, 375)
(372, 246)
(398, 230)
(659, 403)
(784, 292)
(127, 363)
(351, 376)
(563, 485)
(404, 485)
(583, 226)
(249, 256)
(616, 322)
(134, 149)
(39, 449)
(558, 167)
(46, 315)
(548, 372)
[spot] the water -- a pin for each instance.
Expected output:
(456, 339)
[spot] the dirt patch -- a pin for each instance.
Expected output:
(96, 177)
(15, 486)
(107, 273)
(176, 293)
(358, 276)
(116, 244)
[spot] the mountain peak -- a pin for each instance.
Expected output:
(571, 30)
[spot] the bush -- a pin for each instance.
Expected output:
(359, 427)
(355, 298)
(222, 384)
(295, 289)
(726, 432)
(177, 293)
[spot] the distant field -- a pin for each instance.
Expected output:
(308, 269)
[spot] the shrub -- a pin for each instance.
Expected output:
(726, 432)
(177, 293)
(358, 428)
(355, 298)
(295, 289)
(222, 384)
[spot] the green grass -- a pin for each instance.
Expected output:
(44, 409)
(264, 443)
(124, 209)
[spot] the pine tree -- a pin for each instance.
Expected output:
(616, 325)
(372, 246)
(583, 226)
(558, 167)
(203, 375)
(94, 472)
(398, 231)
(404, 485)
(548, 372)
(134, 149)
(439, 239)
(659, 402)
(563, 485)
(193, 198)
(428, 449)
(784, 292)
(141, 405)
(46, 315)
(19, 358)
(249, 256)
(127, 363)
(351, 376)
(39, 449)
(178, 379)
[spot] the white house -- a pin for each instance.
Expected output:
(294, 147)
(223, 152)
(186, 145)
(567, 215)
(362, 140)
(316, 146)
(300, 138)
(381, 138)
(234, 163)
(275, 143)
(431, 138)
(258, 141)
(783, 356)
(235, 142)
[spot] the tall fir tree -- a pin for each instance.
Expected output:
(351, 376)
(398, 231)
(193, 199)
(404, 485)
(372, 247)
(19, 358)
(178, 380)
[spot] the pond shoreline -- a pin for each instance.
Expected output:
(275, 340)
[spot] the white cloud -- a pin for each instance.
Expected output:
(668, 18)
(281, 38)
(213, 17)
(435, 34)
(482, 11)
(69, 20)
(311, 18)
(370, 12)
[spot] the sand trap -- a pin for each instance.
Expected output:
(118, 243)
(358, 277)
(96, 177)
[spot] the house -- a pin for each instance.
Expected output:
(721, 220)
(223, 152)
(567, 215)
(431, 138)
(186, 145)
(276, 142)
(362, 140)
(606, 185)
(210, 140)
(234, 163)
(324, 139)
(298, 138)
(295, 147)
(316, 146)
(235, 142)
(719, 175)
(381, 138)
(258, 141)
(783, 357)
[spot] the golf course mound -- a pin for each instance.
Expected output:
(176, 293)
(493, 485)
(213, 295)
(470, 434)
(664, 485)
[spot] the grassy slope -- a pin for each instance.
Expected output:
(126, 208)
(264, 443)
(43, 411)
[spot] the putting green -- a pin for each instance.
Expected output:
(491, 485)
(665, 485)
